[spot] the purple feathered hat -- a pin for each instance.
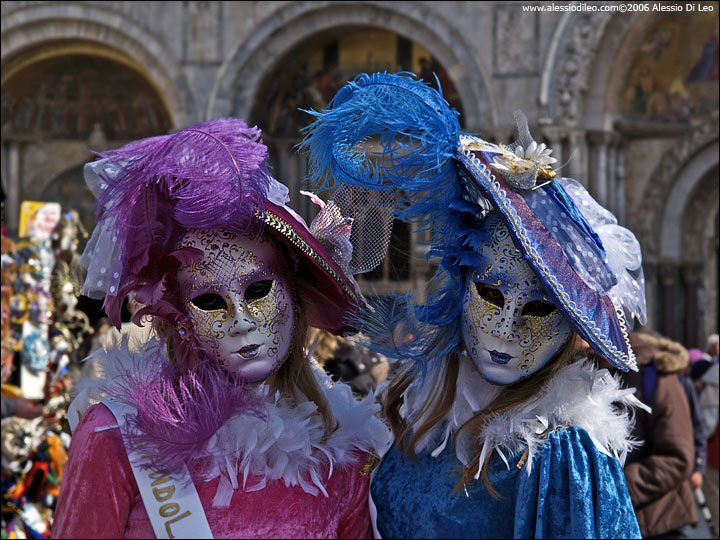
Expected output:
(213, 175)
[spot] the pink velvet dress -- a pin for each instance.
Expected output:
(100, 498)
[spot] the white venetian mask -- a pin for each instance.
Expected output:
(510, 327)
(240, 301)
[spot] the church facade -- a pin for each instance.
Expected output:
(627, 101)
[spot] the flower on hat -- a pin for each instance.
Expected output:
(332, 229)
(526, 164)
(536, 157)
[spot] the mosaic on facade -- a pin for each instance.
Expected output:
(68, 97)
(309, 76)
(674, 75)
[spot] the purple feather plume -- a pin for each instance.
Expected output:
(177, 416)
(213, 175)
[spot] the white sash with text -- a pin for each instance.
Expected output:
(171, 501)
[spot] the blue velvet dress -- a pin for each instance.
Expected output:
(572, 491)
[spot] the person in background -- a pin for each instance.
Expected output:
(699, 438)
(699, 434)
(705, 376)
(695, 356)
(713, 347)
(658, 473)
(351, 365)
(361, 369)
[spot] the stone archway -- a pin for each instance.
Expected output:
(655, 174)
(700, 142)
(687, 250)
(572, 76)
(572, 84)
(37, 33)
(36, 25)
(677, 228)
(241, 76)
(60, 101)
(683, 201)
(701, 255)
(566, 71)
(69, 91)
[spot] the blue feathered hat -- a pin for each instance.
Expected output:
(446, 182)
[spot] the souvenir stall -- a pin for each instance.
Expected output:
(41, 332)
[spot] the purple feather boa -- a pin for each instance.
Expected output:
(177, 415)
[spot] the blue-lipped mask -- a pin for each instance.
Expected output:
(510, 327)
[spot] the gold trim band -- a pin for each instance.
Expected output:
(288, 231)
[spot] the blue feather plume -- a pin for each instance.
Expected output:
(419, 134)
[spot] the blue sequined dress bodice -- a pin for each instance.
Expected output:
(573, 491)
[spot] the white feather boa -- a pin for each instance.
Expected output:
(580, 395)
(284, 442)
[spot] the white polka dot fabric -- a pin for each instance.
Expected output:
(102, 255)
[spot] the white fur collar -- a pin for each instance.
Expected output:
(580, 395)
(283, 442)
(287, 442)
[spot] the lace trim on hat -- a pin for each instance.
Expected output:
(608, 348)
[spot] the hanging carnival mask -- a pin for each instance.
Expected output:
(240, 301)
(510, 327)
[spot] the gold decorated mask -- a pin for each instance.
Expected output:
(510, 327)
(240, 301)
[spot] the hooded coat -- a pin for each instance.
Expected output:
(658, 472)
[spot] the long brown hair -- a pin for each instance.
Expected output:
(295, 378)
(436, 408)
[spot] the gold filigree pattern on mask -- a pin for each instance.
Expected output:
(227, 270)
(519, 341)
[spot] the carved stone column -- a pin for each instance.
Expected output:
(554, 135)
(691, 273)
(619, 173)
(613, 191)
(14, 170)
(290, 170)
(669, 297)
(577, 153)
(650, 271)
(421, 269)
(600, 167)
(298, 164)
